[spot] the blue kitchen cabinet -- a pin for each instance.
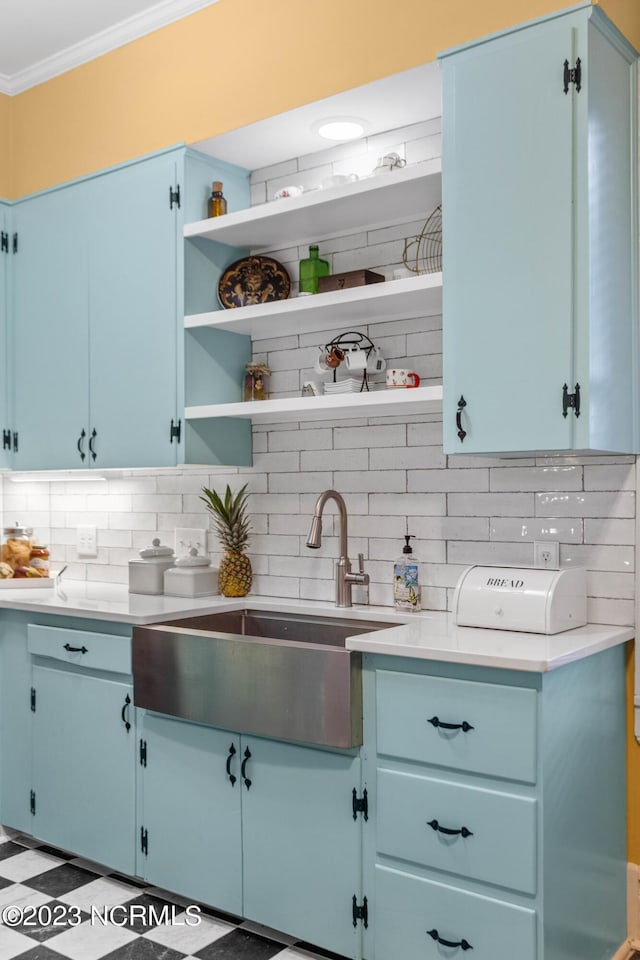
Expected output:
(83, 743)
(539, 199)
(15, 722)
(272, 834)
(301, 842)
(522, 846)
(96, 322)
(49, 330)
(6, 431)
(190, 792)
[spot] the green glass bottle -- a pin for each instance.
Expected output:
(311, 268)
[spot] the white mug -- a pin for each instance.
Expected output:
(402, 378)
(356, 359)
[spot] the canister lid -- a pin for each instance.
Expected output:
(192, 560)
(17, 530)
(156, 549)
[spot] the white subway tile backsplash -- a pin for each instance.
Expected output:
(534, 528)
(431, 481)
(609, 477)
(586, 504)
(610, 531)
(611, 585)
(597, 557)
(490, 504)
(460, 551)
(536, 478)
(618, 612)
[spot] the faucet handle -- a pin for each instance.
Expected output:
(361, 563)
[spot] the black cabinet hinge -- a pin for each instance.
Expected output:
(33, 699)
(572, 75)
(175, 431)
(143, 753)
(15, 243)
(6, 439)
(360, 804)
(360, 912)
(174, 197)
(144, 841)
(15, 441)
(571, 401)
(4, 242)
(32, 802)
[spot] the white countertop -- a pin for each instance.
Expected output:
(435, 636)
(423, 636)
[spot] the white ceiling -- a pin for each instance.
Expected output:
(40, 39)
(396, 101)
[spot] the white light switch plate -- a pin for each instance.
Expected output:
(188, 538)
(86, 542)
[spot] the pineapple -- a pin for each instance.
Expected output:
(232, 527)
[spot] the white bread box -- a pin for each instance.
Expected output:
(527, 599)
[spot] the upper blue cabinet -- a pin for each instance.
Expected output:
(539, 208)
(96, 328)
(6, 432)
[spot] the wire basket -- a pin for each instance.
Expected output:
(423, 254)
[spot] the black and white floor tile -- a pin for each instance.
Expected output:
(53, 894)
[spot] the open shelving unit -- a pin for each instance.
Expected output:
(394, 198)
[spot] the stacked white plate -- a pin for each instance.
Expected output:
(348, 385)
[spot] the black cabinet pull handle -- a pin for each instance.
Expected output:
(71, 649)
(232, 751)
(463, 944)
(80, 442)
(93, 436)
(127, 701)
(463, 831)
(464, 726)
(243, 768)
(461, 405)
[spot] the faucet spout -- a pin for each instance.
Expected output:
(344, 577)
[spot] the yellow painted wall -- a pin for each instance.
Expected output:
(626, 15)
(6, 153)
(231, 64)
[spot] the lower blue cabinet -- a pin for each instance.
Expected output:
(83, 793)
(189, 836)
(258, 828)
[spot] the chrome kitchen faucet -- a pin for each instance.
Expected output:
(344, 577)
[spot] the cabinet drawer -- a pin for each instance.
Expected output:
(411, 911)
(96, 651)
(495, 732)
(501, 845)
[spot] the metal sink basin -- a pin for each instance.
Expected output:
(280, 675)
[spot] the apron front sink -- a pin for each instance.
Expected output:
(285, 676)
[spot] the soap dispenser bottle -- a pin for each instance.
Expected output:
(406, 579)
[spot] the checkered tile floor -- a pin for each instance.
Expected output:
(45, 885)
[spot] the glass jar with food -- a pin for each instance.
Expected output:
(39, 559)
(16, 547)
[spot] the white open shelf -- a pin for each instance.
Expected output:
(400, 196)
(419, 296)
(379, 403)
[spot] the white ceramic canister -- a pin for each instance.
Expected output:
(192, 576)
(146, 575)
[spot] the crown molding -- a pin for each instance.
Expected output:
(160, 15)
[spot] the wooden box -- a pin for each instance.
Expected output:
(352, 278)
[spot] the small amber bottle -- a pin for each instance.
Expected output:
(217, 204)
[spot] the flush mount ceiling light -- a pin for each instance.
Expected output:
(339, 128)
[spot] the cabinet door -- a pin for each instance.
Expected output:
(133, 315)
(50, 330)
(301, 845)
(15, 722)
(84, 765)
(190, 811)
(5, 367)
(508, 214)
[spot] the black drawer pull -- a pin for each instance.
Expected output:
(232, 752)
(127, 702)
(247, 755)
(464, 726)
(463, 831)
(463, 944)
(71, 649)
(461, 431)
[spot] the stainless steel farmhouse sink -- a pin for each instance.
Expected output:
(280, 675)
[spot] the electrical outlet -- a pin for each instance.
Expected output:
(86, 542)
(546, 553)
(188, 538)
